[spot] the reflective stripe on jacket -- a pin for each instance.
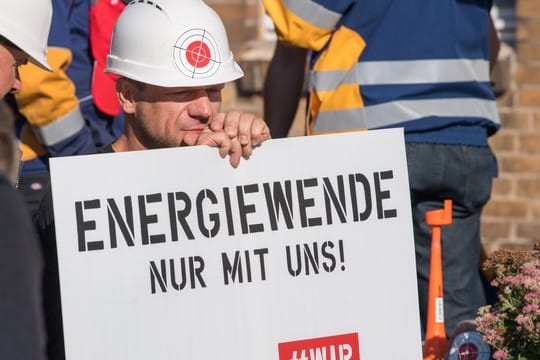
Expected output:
(422, 65)
(56, 113)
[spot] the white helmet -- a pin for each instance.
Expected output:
(26, 23)
(171, 43)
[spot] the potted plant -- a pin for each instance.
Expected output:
(512, 325)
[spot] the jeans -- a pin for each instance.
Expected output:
(463, 174)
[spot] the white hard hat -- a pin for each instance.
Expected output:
(26, 23)
(171, 43)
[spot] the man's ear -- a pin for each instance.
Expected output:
(125, 90)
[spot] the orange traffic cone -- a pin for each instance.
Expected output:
(435, 345)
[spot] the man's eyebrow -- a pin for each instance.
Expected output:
(6, 42)
(21, 60)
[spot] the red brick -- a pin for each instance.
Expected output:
(254, 11)
(501, 187)
(534, 207)
(530, 143)
(236, 2)
(516, 243)
(230, 12)
(505, 208)
(516, 119)
(503, 142)
(528, 9)
(214, 3)
(529, 96)
(519, 164)
(496, 229)
(254, 73)
(241, 19)
(228, 96)
(528, 30)
(239, 35)
(528, 74)
(536, 120)
(529, 188)
(237, 12)
(528, 51)
(529, 231)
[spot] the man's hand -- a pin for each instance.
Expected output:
(245, 128)
(224, 144)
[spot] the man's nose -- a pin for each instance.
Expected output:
(200, 107)
(17, 83)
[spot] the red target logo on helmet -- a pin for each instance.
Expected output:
(196, 54)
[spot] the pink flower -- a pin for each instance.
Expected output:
(533, 296)
(531, 308)
(512, 325)
(500, 355)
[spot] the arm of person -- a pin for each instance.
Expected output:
(22, 333)
(494, 44)
(293, 27)
(51, 108)
(52, 308)
(283, 86)
(49, 102)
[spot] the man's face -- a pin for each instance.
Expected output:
(170, 117)
(10, 60)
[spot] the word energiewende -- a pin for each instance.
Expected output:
(228, 211)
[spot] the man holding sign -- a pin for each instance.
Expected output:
(298, 254)
(172, 72)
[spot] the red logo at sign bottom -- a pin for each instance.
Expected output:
(337, 347)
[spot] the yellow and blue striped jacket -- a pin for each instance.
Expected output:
(418, 64)
(56, 114)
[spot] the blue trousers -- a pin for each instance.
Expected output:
(463, 174)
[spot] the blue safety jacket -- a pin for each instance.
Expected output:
(418, 64)
(56, 112)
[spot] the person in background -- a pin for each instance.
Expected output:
(171, 73)
(421, 66)
(23, 37)
(58, 112)
(283, 87)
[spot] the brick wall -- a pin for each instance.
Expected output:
(512, 217)
(242, 19)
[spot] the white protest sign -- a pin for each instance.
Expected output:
(304, 252)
